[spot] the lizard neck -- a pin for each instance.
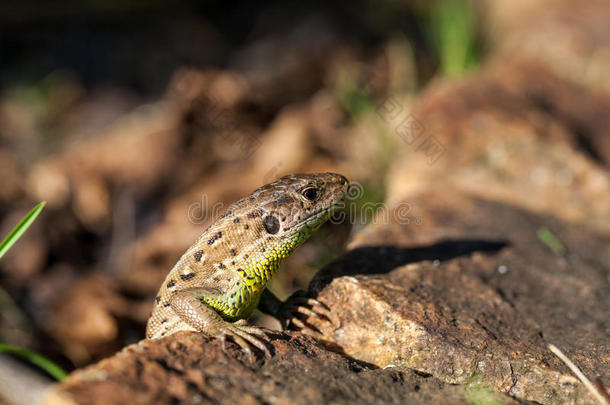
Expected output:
(257, 269)
(264, 265)
(254, 273)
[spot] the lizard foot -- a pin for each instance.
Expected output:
(245, 336)
(295, 311)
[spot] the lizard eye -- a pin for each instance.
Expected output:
(310, 193)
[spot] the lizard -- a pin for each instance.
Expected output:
(221, 279)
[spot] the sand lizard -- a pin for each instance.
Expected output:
(220, 280)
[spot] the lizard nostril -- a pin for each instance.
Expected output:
(341, 179)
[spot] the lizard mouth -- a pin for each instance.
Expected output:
(321, 212)
(317, 214)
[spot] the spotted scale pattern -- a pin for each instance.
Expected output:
(238, 254)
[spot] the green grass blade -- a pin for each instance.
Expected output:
(451, 29)
(47, 365)
(21, 227)
(546, 236)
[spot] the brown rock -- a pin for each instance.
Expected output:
(463, 288)
(82, 317)
(514, 134)
(570, 39)
(567, 41)
(189, 368)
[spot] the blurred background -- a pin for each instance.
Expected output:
(133, 120)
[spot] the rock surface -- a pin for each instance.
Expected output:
(513, 133)
(189, 368)
(472, 290)
(458, 291)
(570, 41)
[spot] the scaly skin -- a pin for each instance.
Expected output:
(221, 279)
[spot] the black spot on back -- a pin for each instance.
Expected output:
(188, 276)
(236, 220)
(198, 254)
(216, 236)
(171, 284)
(233, 252)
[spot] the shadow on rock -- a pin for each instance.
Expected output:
(383, 259)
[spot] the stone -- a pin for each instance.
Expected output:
(190, 368)
(465, 288)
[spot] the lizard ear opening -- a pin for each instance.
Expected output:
(272, 224)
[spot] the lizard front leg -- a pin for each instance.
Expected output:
(290, 312)
(189, 305)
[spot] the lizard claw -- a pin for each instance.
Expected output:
(298, 308)
(243, 335)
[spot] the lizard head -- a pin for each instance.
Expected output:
(296, 205)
